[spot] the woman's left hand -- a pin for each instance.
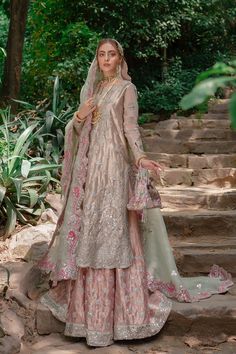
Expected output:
(151, 165)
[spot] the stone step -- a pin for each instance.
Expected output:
(222, 106)
(195, 223)
(188, 123)
(218, 177)
(202, 321)
(212, 115)
(195, 260)
(183, 198)
(204, 134)
(194, 161)
(219, 242)
(157, 145)
(212, 161)
(215, 115)
(206, 252)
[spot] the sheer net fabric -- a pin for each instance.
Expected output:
(110, 304)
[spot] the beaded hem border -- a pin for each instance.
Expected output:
(121, 332)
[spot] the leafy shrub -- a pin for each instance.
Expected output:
(3, 147)
(165, 95)
(23, 180)
(3, 38)
(68, 58)
(49, 141)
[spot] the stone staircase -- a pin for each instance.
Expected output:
(198, 187)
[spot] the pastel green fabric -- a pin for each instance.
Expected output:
(162, 270)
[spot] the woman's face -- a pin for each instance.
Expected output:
(108, 59)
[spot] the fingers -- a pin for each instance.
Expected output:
(90, 102)
(91, 105)
(157, 166)
(78, 117)
(92, 109)
(154, 166)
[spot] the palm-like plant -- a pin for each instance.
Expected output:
(23, 180)
(49, 141)
(207, 84)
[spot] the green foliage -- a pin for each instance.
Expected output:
(142, 26)
(3, 147)
(4, 22)
(23, 180)
(165, 95)
(208, 82)
(49, 141)
(62, 35)
(57, 48)
(145, 118)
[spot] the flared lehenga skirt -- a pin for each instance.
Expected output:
(103, 305)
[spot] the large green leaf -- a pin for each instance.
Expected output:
(32, 211)
(11, 218)
(26, 104)
(60, 137)
(25, 168)
(3, 51)
(22, 218)
(19, 149)
(35, 178)
(33, 197)
(49, 121)
(5, 115)
(55, 180)
(43, 167)
(2, 193)
(35, 181)
(44, 186)
(56, 88)
(217, 69)
(232, 110)
(18, 182)
(32, 184)
(203, 91)
(38, 159)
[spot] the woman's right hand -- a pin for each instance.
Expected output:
(86, 108)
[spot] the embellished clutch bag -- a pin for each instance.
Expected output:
(145, 194)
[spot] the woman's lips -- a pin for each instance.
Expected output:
(107, 65)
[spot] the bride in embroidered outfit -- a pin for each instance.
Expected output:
(110, 277)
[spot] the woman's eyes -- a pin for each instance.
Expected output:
(109, 54)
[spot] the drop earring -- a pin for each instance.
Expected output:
(100, 73)
(118, 70)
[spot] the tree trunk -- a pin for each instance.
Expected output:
(15, 42)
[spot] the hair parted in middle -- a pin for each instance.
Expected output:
(114, 43)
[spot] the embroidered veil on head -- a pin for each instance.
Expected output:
(95, 75)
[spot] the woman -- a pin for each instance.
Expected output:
(103, 289)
